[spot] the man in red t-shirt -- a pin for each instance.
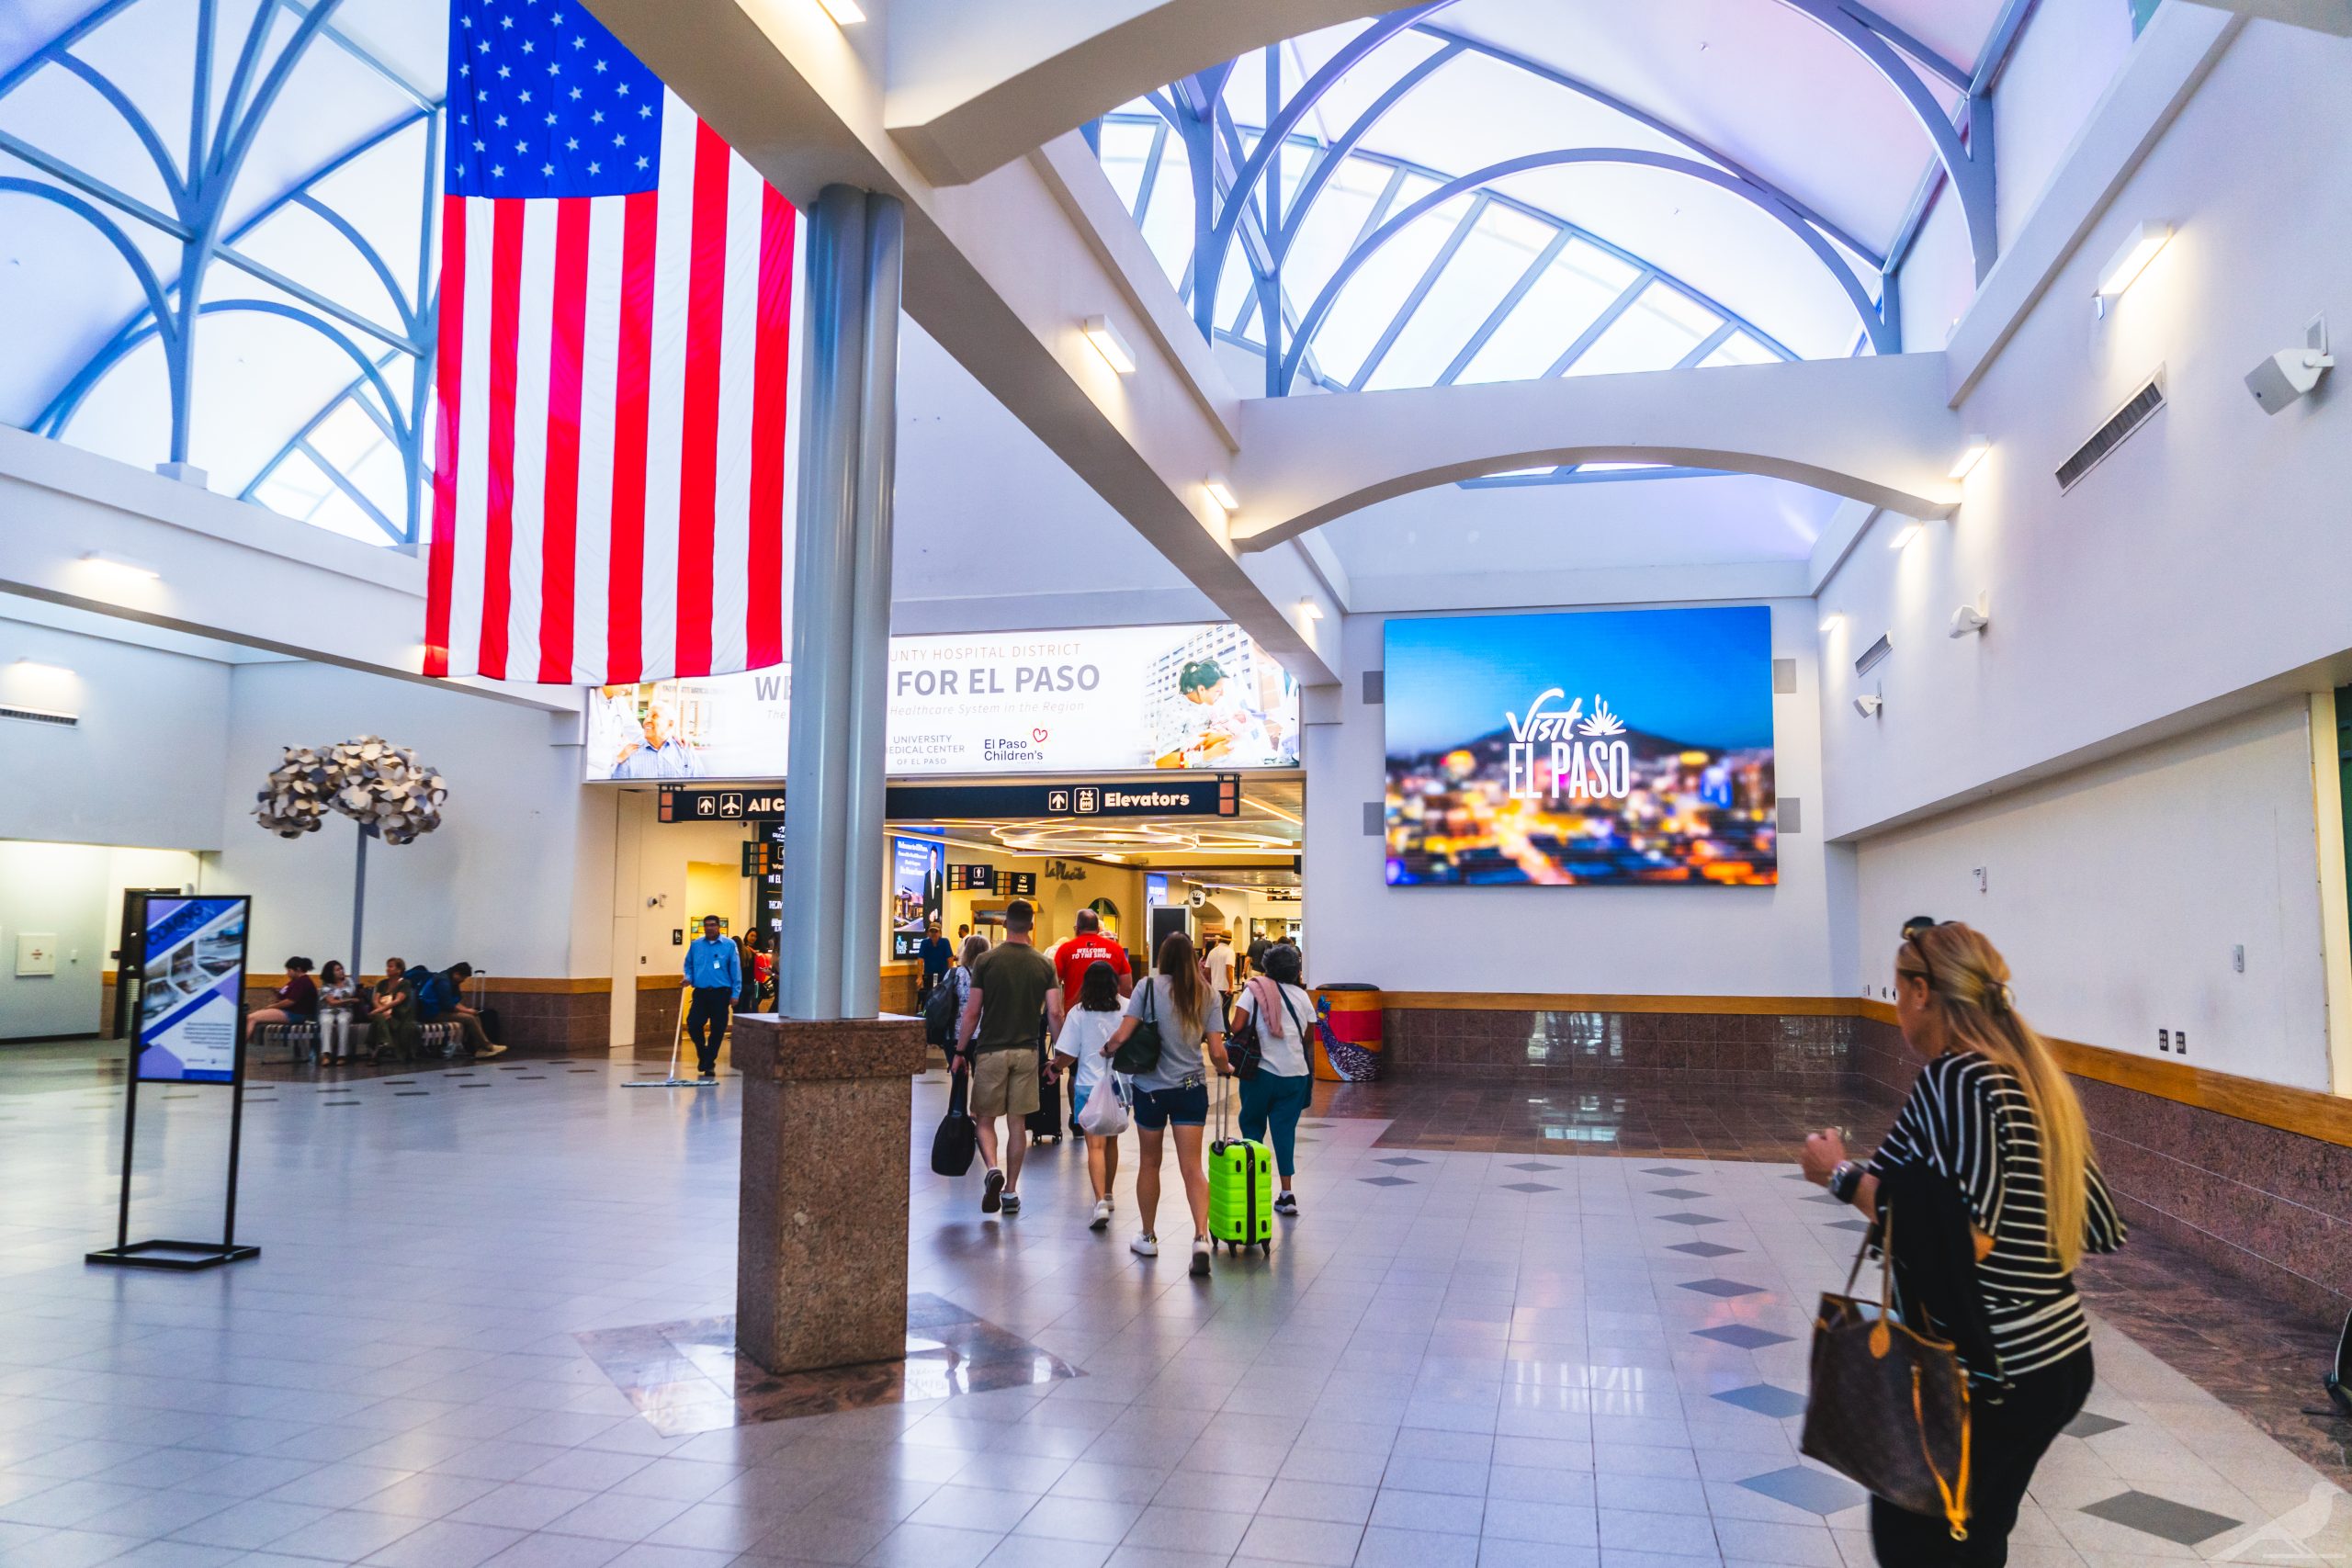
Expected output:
(1071, 959)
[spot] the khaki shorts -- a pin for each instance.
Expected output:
(1004, 1083)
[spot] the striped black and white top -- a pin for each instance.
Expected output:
(1969, 1121)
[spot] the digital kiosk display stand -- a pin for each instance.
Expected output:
(190, 1028)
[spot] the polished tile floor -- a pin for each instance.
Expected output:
(1453, 1358)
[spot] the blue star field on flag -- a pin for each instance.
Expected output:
(545, 102)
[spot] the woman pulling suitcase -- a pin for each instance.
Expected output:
(1171, 1025)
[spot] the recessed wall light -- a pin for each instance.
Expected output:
(2132, 258)
(1221, 494)
(1109, 345)
(37, 667)
(844, 13)
(1902, 540)
(1971, 454)
(1310, 609)
(1833, 624)
(115, 566)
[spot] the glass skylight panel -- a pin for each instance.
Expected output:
(1495, 254)
(1654, 333)
(1581, 283)
(1331, 226)
(1372, 294)
(1167, 221)
(1740, 349)
(1124, 147)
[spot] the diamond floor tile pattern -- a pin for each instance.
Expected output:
(1801, 1486)
(2161, 1517)
(1765, 1399)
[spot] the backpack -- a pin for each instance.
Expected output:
(432, 993)
(944, 1010)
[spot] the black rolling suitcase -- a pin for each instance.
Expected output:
(1044, 1124)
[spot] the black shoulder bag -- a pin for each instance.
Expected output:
(1141, 1052)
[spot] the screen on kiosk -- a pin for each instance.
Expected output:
(1622, 746)
(1111, 699)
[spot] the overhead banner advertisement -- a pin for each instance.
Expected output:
(1624, 745)
(918, 886)
(190, 1006)
(1111, 699)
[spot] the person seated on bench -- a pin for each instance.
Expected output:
(391, 1016)
(297, 1001)
(439, 1004)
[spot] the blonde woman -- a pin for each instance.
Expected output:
(1173, 1092)
(1992, 1115)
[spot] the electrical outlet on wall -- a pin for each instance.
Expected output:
(1981, 880)
(2163, 1041)
(2237, 958)
(2180, 1042)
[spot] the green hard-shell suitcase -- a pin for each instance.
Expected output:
(1241, 1188)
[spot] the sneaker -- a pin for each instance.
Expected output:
(1287, 1204)
(1012, 1204)
(992, 1196)
(1145, 1245)
(1200, 1257)
(1101, 1215)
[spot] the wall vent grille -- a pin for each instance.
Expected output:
(1874, 655)
(2136, 411)
(41, 715)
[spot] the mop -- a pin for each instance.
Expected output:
(674, 1080)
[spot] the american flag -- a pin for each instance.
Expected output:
(614, 441)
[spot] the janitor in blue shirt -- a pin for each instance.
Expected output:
(715, 970)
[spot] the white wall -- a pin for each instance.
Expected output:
(72, 893)
(1650, 940)
(2119, 891)
(493, 886)
(2206, 555)
(143, 767)
(2062, 60)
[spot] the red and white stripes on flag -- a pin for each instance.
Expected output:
(614, 440)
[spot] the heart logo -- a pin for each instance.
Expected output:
(1036, 735)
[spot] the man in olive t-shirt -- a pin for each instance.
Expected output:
(996, 1042)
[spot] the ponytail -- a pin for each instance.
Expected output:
(1185, 990)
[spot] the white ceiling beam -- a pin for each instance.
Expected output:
(1876, 429)
(2333, 16)
(972, 86)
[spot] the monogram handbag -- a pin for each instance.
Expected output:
(1889, 1406)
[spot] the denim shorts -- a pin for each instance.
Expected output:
(1187, 1106)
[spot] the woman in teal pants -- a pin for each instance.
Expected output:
(1278, 1094)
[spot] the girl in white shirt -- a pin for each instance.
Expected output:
(1279, 1093)
(1086, 1029)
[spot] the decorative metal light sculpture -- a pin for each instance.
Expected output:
(377, 785)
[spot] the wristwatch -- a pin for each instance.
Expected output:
(1845, 1180)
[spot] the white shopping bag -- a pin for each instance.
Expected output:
(1104, 1114)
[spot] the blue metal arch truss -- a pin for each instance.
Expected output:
(200, 188)
(1238, 183)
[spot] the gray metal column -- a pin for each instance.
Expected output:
(829, 960)
(869, 633)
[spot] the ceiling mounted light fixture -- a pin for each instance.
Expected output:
(844, 13)
(1310, 610)
(2130, 259)
(1109, 345)
(1221, 496)
(1909, 532)
(1971, 454)
(40, 667)
(1833, 624)
(128, 571)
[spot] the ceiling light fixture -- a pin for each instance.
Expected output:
(1110, 345)
(1833, 624)
(2132, 258)
(39, 667)
(844, 13)
(1310, 610)
(118, 567)
(1971, 454)
(1221, 495)
(1902, 540)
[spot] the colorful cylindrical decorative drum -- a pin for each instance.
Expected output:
(1347, 1034)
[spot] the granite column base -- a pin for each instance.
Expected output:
(820, 1272)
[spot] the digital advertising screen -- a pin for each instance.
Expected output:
(918, 889)
(1113, 699)
(1581, 748)
(189, 1004)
